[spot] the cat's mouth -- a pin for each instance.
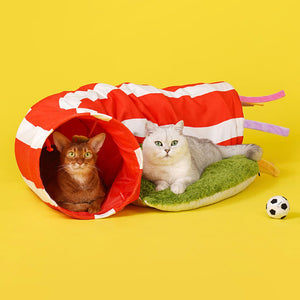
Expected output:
(78, 168)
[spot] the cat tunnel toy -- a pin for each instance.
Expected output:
(212, 111)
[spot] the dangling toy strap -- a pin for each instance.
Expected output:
(267, 127)
(248, 101)
(262, 99)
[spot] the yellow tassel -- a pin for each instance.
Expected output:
(252, 104)
(268, 168)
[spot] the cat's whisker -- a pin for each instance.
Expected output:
(61, 168)
(95, 167)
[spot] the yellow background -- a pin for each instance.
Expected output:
(231, 250)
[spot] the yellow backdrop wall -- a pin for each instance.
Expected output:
(231, 250)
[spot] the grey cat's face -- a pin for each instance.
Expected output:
(164, 144)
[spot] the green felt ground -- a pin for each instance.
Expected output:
(217, 178)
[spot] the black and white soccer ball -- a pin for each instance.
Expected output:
(278, 207)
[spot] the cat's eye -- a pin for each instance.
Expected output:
(174, 143)
(158, 143)
(87, 154)
(71, 154)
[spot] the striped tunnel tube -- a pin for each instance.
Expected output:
(211, 111)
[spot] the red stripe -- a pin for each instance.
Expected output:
(47, 113)
(201, 111)
(28, 160)
(234, 141)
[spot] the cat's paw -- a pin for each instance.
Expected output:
(254, 152)
(162, 185)
(95, 207)
(74, 206)
(178, 188)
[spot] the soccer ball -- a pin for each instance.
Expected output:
(278, 207)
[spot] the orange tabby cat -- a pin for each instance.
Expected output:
(78, 186)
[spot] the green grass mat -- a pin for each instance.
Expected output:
(218, 181)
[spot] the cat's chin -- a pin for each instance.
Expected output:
(165, 160)
(160, 159)
(167, 157)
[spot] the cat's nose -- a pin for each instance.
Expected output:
(167, 150)
(80, 161)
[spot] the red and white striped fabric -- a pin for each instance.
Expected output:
(211, 111)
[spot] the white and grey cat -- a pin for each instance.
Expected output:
(174, 160)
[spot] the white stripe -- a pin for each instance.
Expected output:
(86, 110)
(94, 113)
(192, 91)
(136, 126)
(139, 156)
(217, 133)
(73, 99)
(105, 215)
(40, 192)
(101, 90)
(90, 94)
(34, 136)
(70, 101)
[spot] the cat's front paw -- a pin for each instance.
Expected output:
(95, 207)
(161, 185)
(178, 188)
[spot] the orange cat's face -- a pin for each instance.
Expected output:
(78, 159)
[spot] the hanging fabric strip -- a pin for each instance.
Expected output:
(261, 99)
(266, 127)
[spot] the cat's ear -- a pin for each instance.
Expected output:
(179, 126)
(150, 127)
(60, 140)
(96, 142)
